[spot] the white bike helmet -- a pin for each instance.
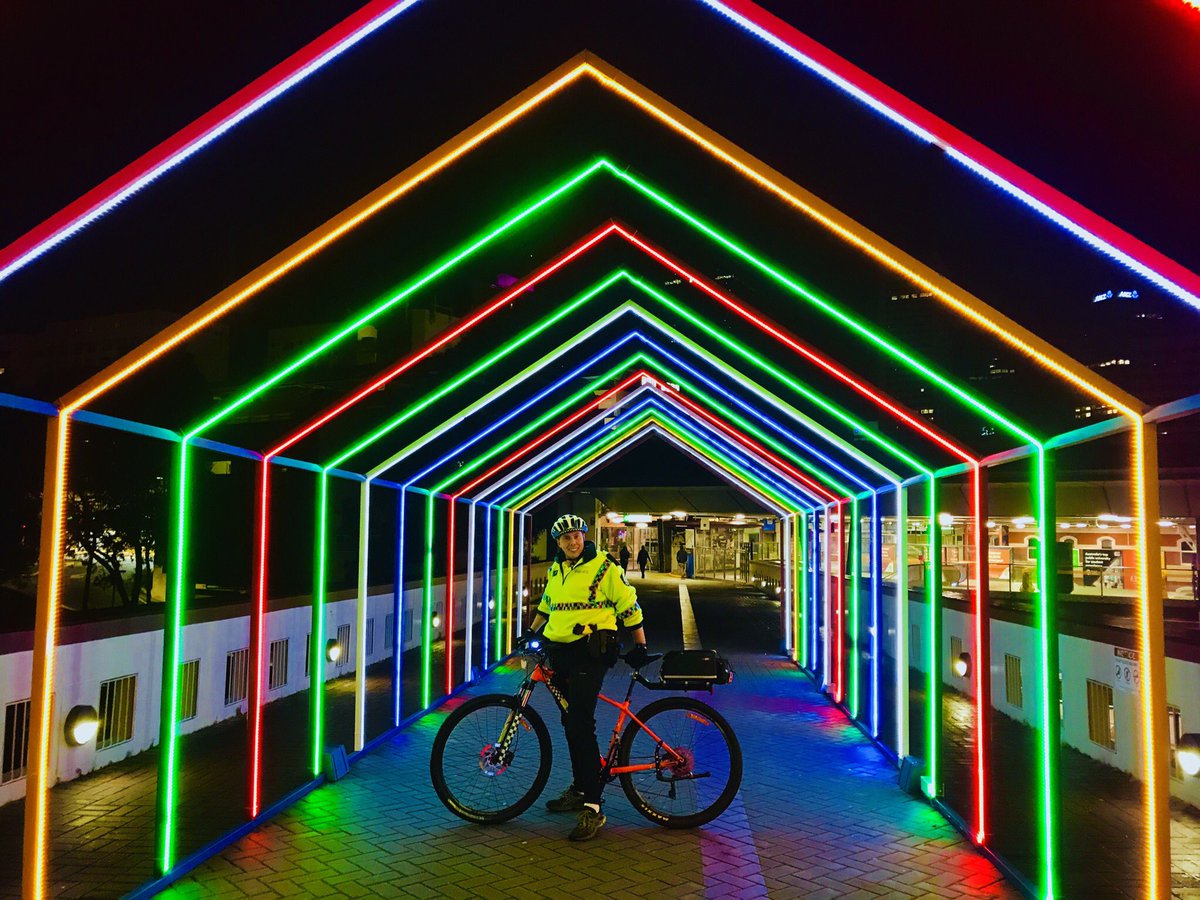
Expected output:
(566, 523)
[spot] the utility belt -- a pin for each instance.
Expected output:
(601, 643)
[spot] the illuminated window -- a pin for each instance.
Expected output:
(343, 640)
(16, 741)
(117, 707)
(1102, 715)
(277, 673)
(189, 689)
(1014, 689)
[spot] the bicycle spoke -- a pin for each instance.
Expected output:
(703, 750)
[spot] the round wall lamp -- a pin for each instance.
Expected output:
(333, 650)
(1187, 753)
(962, 665)
(82, 724)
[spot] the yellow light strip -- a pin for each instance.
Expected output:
(849, 230)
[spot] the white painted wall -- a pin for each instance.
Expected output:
(80, 669)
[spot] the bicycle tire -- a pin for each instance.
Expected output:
(643, 789)
(454, 796)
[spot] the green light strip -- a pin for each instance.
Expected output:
(908, 360)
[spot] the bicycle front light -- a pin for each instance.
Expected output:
(535, 645)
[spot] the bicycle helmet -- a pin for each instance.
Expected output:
(566, 523)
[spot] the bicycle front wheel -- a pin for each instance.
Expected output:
(491, 759)
(694, 784)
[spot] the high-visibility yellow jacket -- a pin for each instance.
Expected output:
(594, 594)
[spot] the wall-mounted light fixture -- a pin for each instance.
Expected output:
(962, 665)
(333, 650)
(1187, 753)
(83, 723)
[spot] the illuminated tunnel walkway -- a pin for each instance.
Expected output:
(818, 813)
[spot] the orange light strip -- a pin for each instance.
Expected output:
(758, 173)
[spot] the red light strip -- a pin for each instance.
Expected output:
(575, 251)
(640, 374)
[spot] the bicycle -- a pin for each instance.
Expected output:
(680, 773)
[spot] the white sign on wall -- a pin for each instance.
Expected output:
(1127, 670)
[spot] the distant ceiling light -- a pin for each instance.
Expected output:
(1108, 517)
(614, 516)
(990, 524)
(82, 725)
(1126, 525)
(667, 517)
(1165, 523)
(525, 592)
(740, 516)
(679, 515)
(634, 518)
(777, 589)
(945, 520)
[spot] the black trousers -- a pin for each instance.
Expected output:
(579, 677)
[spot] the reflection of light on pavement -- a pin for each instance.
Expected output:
(959, 710)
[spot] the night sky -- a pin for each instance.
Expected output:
(1099, 104)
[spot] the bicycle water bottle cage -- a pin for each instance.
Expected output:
(694, 670)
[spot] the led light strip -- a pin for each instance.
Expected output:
(1043, 199)
(786, 190)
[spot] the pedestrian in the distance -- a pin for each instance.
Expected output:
(624, 557)
(643, 559)
(681, 558)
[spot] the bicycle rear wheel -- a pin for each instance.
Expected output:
(491, 759)
(697, 787)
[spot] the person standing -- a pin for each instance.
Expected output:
(624, 557)
(681, 556)
(643, 559)
(586, 596)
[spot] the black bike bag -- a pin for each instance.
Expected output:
(694, 670)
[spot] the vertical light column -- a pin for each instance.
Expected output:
(786, 599)
(316, 649)
(1045, 478)
(854, 612)
(487, 586)
(933, 679)
(448, 605)
(427, 609)
(521, 572)
(983, 652)
(1152, 650)
(258, 616)
(827, 665)
(508, 585)
(498, 589)
(469, 611)
(398, 612)
(360, 610)
(876, 616)
(901, 581)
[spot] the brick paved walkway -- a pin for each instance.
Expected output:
(818, 815)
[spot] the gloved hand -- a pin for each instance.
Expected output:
(528, 636)
(637, 657)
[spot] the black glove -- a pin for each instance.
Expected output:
(529, 636)
(637, 657)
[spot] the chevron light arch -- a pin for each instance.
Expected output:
(74, 402)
